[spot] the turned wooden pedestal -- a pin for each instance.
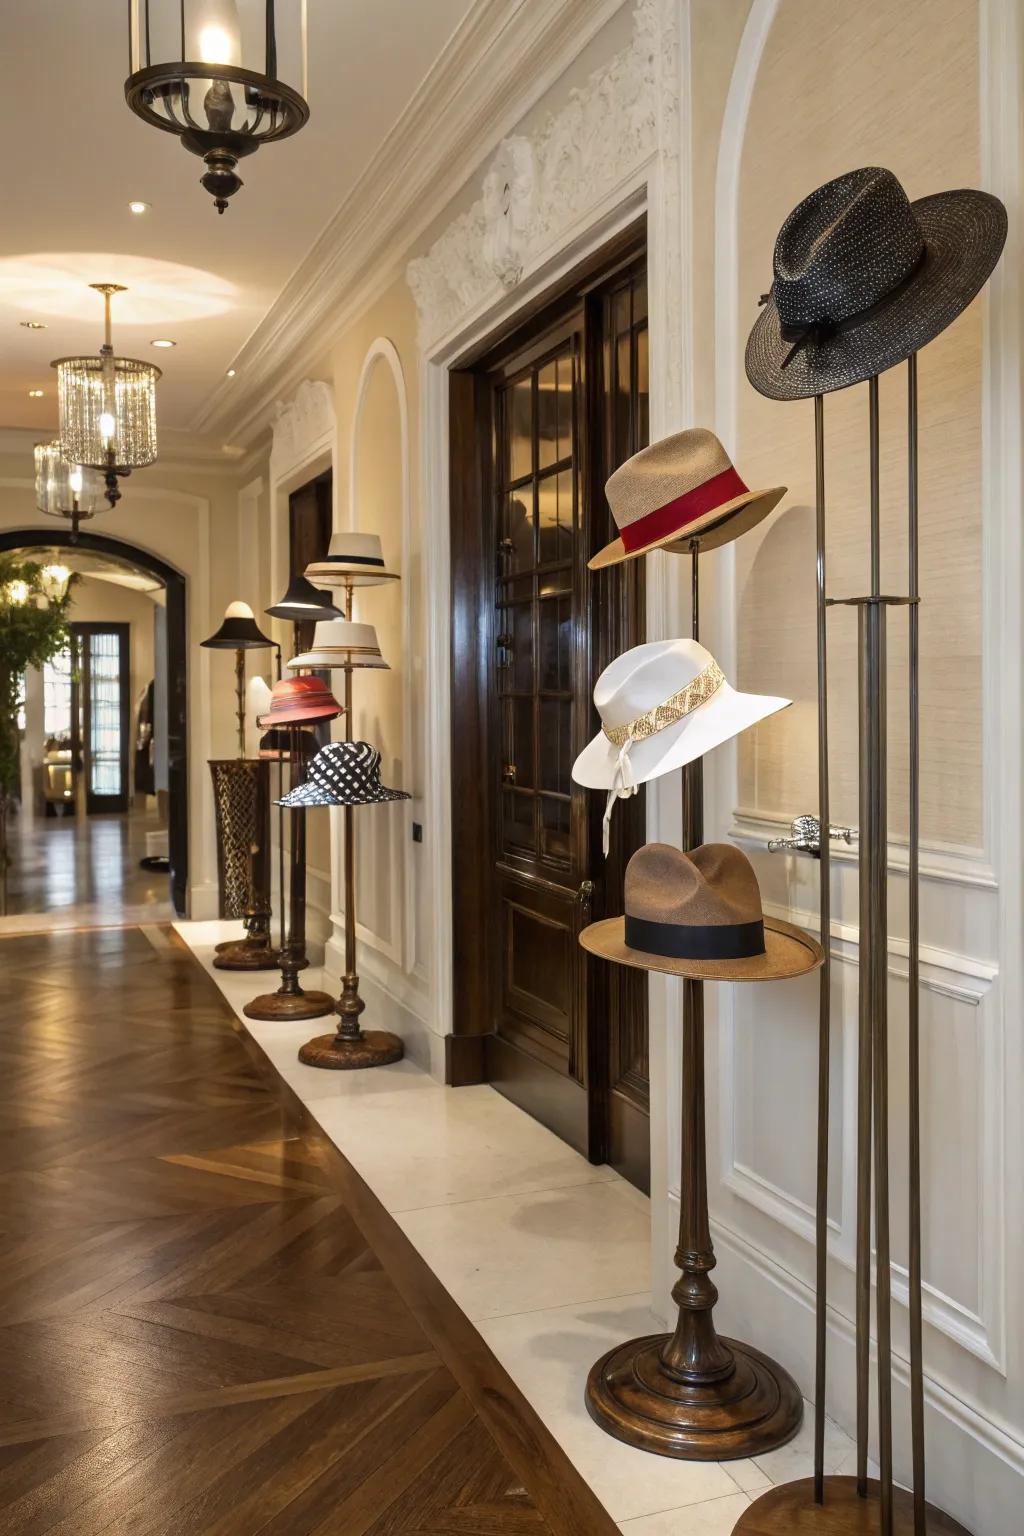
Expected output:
(690, 1393)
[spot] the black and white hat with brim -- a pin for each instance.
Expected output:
(343, 773)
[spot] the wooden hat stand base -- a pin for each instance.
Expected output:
(290, 1001)
(791, 1510)
(857, 1506)
(689, 1393)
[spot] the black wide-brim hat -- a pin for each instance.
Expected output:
(864, 278)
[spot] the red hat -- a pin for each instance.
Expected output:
(300, 698)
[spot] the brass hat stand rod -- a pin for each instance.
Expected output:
(290, 1001)
(835, 1505)
(692, 1394)
(351, 1047)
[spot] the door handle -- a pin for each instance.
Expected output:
(584, 899)
(508, 773)
(805, 837)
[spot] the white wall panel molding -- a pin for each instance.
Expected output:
(500, 61)
(941, 863)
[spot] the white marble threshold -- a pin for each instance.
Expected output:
(546, 1254)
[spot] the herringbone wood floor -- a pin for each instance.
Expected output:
(207, 1322)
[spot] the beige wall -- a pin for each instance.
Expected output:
(851, 99)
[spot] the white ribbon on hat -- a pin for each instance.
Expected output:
(624, 785)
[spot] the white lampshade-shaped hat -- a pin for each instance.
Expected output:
(340, 643)
(353, 560)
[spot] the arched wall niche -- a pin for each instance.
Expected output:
(379, 502)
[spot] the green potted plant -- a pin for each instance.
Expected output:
(34, 601)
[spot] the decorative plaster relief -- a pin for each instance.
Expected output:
(539, 187)
(301, 425)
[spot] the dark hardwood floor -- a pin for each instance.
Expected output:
(208, 1323)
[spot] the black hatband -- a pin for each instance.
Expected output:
(676, 941)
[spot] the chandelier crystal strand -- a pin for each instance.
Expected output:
(107, 408)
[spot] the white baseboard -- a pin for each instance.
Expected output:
(387, 1007)
(975, 1470)
(203, 901)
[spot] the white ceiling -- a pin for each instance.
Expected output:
(202, 280)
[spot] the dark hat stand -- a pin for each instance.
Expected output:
(689, 1393)
(351, 1047)
(290, 1001)
(245, 868)
(841, 1506)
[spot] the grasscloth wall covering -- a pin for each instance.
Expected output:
(850, 100)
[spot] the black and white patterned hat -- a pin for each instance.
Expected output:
(343, 773)
(864, 278)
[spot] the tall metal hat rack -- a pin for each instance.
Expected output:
(838, 1504)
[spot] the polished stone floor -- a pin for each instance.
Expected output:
(82, 872)
(548, 1255)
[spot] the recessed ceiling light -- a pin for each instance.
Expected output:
(231, 373)
(35, 394)
(32, 325)
(137, 207)
(163, 343)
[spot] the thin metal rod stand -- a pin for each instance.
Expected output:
(841, 1505)
(825, 978)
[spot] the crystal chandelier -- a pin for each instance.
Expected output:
(192, 74)
(66, 490)
(107, 408)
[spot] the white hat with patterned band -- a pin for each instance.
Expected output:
(680, 490)
(662, 705)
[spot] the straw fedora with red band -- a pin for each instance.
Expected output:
(699, 915)
(681, 489)
(296, 699)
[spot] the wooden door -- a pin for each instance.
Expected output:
(104, 713)
(309, 535)
(534, 430)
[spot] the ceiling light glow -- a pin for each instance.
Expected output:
(32, 325)
(35, 394)
(163, 343)
(231, 373)
(138, 207)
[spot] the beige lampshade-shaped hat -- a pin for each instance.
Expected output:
(679, 491)
(353, 560)
(340, 643)
(662, 705)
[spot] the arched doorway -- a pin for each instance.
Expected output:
(177, 672)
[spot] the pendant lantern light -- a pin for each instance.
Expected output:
(194, 73)
(66, 490)
(107, 408)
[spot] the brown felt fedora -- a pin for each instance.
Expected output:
(681, 491)
(699, 914)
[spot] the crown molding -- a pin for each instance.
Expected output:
(499, 62)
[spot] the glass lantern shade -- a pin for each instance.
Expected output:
(66, 490)
(225, 75)
(107, 411)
